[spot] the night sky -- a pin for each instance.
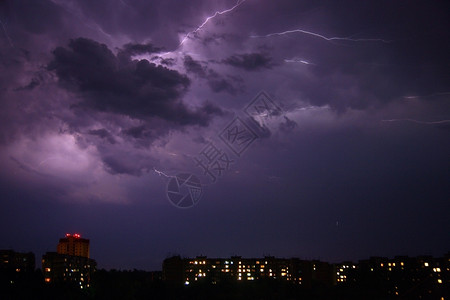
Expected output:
(104, 102)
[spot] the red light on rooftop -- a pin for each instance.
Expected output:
(75, 235)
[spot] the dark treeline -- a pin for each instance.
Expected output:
(136, 284)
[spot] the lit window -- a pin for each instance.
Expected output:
(47, 279)
(425, 264)
(439, 280)
(402, 264)
(186, 282)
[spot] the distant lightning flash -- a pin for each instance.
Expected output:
(417, 121)
(319, 36)
(6, 34)
(295, 60)
(427, 96)
(238, 3)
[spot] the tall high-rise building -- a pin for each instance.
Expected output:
(73, 245)
(70, 264)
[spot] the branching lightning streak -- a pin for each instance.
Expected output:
(319, 36)
(160, 173)
(238, 3)
(417, 121)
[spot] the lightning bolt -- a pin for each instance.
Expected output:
(296, 60)
(160, 173)
(330, 39)
(238, 3)
(418, 121)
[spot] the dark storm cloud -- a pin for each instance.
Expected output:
(193, 66)
(168, 61)
(249, 61)
(111, 115)
(104, 134)
(143, 135)
(288, 125)
(133, 49)
(138, 89)
(115, 164)
(219, 84)
(357, 74)
(34, 83)
(137, 132)
(216, 82)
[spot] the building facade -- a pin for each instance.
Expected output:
(187, 271)
(70, 264)
(67, 269)
(15, 267)
(73, 244)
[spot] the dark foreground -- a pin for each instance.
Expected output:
(147, 285)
